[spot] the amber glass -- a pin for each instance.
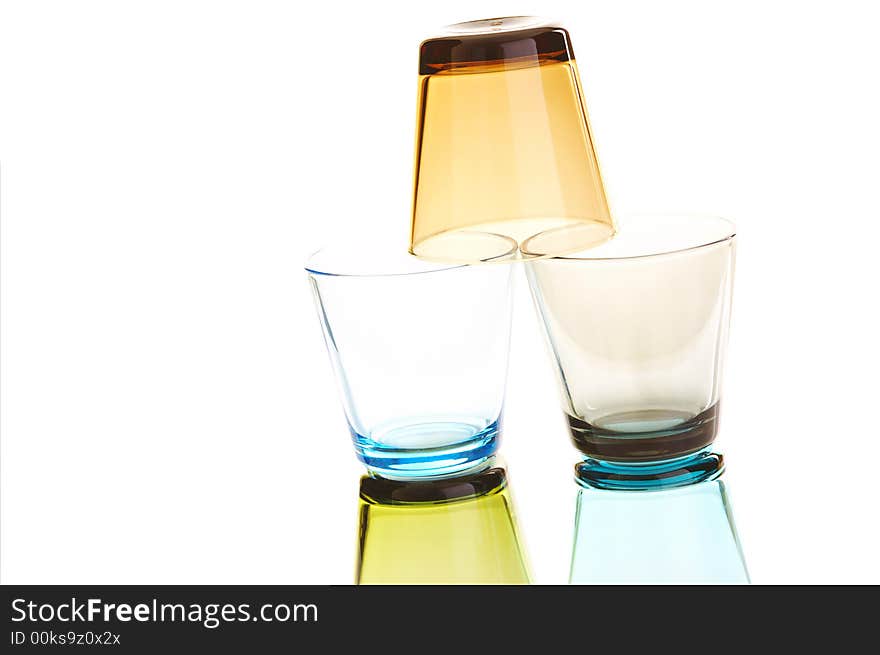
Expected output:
(503, 145)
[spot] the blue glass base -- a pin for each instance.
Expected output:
(690, 469)
(682, 535)
(428, 449)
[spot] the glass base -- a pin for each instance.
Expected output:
(680, 535)
(645, 435)
(678, 472)
(456, 531)
(428, 449)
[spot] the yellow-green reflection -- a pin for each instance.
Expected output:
(453, 531)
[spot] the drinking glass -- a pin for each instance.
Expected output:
(503, 145)
(420, 355)
(638, 329)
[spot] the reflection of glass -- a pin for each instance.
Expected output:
(638, 328)
(676, 536)
(503, 145)
(420, 353)
(449, 531)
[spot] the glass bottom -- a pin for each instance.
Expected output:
(647, 435)
(645, 476)
(428, 448)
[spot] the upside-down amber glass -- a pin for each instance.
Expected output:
(503, 145)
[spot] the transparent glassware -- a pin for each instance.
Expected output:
(683, 535)
(503, 145)
(458, 530)
(420, 353)
(638, 329)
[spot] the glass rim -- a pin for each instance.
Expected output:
(418, 265)
(727, 234)
(484, 26)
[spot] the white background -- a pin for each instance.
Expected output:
(169, 414)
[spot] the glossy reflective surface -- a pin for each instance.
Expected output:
(678, 536)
